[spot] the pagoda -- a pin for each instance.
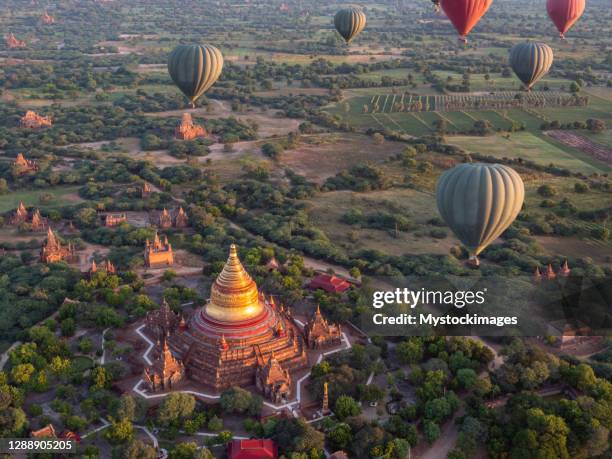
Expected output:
(13, 43)
(319, 333)
(33, 120)
(158, 254)
(181, 219)
(238, 338)
(21, 216)
(107, 267)
(188, 130)
(165, 220)
(47, 19)
(165, 372)
(23, 166)
(53, 250)
(178, 219)
(146, 190)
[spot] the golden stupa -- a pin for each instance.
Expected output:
(234, 296)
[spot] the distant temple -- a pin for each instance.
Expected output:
(49, 431)
(188, 130)
(146, 189)
(22, 166)
(165, 372)
(158, 254)
(238, 338)
(112, 220)
(106, 267)
(21, 216)
(329, 283)
(47, 19)
(549, 274)
(32, 120)
(53, 250)
(13, 43)
(319, 333)
(178, 220)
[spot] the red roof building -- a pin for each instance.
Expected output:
(329, 283)
(252, 449)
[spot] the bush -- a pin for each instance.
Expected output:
(547, 191)
(580, 187)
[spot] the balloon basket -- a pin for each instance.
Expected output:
(473, 262)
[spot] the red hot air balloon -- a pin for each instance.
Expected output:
(465, 14)
(564, 13)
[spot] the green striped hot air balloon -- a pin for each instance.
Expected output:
(349, 22)
(479, 202)
(531, 61)
(195, 68)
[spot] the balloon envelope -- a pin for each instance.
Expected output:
(479, 202)
(349, 22)
(465, 14)
(531, 61)
(564, 13)
(195, 68)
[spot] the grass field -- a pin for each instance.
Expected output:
(528, 146)
(327, 210)
(62, 196)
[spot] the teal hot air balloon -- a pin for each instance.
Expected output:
(479, 202)
(349, 22)
(531, 61)
(195, 68)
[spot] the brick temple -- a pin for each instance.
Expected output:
(13, 43)
(47, 19)
(22, 166)
(157, 253)
(188, 130)
(178, 219)
(53, 251)
(107, 267)
(33, 120)
(238, 338)
(112, 220)
(34, 220)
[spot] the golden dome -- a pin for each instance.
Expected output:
(234, 296)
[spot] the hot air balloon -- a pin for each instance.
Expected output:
(465, 14)
(349, 22)
(195, 68)
(531, 61)
(479, 202)
(564, 13)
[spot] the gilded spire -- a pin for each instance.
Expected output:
(234, 296)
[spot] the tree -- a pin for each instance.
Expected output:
(137, 449)
(184, 451)
(595, 125)
(466, 377)
(238, 400)
(100, 378)
(340, 437)
(176, 407)
(431, 431)
(410, 351)
(120, 431)
(126, 408)
(346, 406)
